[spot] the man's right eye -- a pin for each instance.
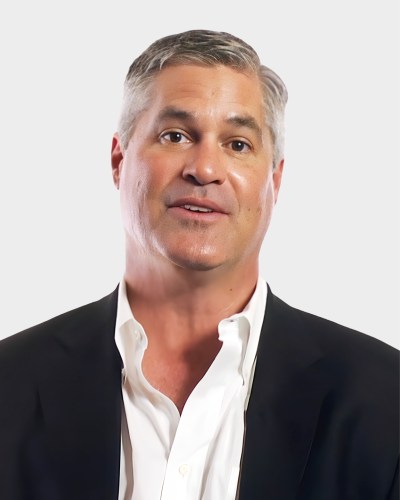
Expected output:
(175, 137)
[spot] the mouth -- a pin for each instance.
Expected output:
(195, 208)
(202, 205)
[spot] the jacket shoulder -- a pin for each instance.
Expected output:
(333, 338)
(363, 371)
(72, 327)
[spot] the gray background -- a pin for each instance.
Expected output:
(333, 247)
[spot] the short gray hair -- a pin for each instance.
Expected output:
(206, 48)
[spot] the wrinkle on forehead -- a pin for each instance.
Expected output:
(214, 83)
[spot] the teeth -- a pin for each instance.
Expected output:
(194, 208)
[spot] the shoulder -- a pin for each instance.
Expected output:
(332, 338)
(360, 366)
(36, 345)
(45, 361)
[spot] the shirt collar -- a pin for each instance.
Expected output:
(249, 323)
(124, 312)
(253, 315)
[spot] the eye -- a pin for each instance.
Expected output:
(174, 137)
(240, 146)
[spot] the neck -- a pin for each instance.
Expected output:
(182, 305)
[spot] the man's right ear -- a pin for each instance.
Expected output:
(117, 159)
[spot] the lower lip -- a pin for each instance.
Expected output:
(183, 213)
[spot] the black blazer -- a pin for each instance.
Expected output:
(322, 421)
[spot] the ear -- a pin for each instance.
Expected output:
(117, 159)
(277, 177)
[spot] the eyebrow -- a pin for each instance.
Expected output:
(172, 112)
(245, 120)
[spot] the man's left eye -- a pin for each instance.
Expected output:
(240, 146)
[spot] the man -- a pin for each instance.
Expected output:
(192, 380)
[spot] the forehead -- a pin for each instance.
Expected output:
(207, 91)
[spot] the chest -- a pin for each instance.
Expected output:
(194, 454)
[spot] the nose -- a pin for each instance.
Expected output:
(205, 164)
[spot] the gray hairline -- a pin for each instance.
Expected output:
(136, 98)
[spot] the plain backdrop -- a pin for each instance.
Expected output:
(333, 246)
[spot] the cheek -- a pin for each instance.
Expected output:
(258, 207)
(134, 179)
(132, 193)
(141, 190)
(266, 199)
(147, 174)
(256, 193)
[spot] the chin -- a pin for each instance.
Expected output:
(193, 260)
(194, 264)
(197, 266)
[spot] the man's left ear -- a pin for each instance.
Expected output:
(117, 158)
(277, 177)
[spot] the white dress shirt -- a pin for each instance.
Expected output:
(195, 455)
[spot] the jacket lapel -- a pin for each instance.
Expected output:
(288, 390)
(81, 406)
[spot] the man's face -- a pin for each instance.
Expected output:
(196, 179)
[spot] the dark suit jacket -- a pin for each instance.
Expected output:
(322, 421)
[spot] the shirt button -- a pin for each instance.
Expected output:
(184, 469)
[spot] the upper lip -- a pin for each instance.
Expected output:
(198, 202)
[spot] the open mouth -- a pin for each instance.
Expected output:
(194, 208)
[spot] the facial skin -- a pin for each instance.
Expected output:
(202, 142)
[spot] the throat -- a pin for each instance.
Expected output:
(176, 373)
